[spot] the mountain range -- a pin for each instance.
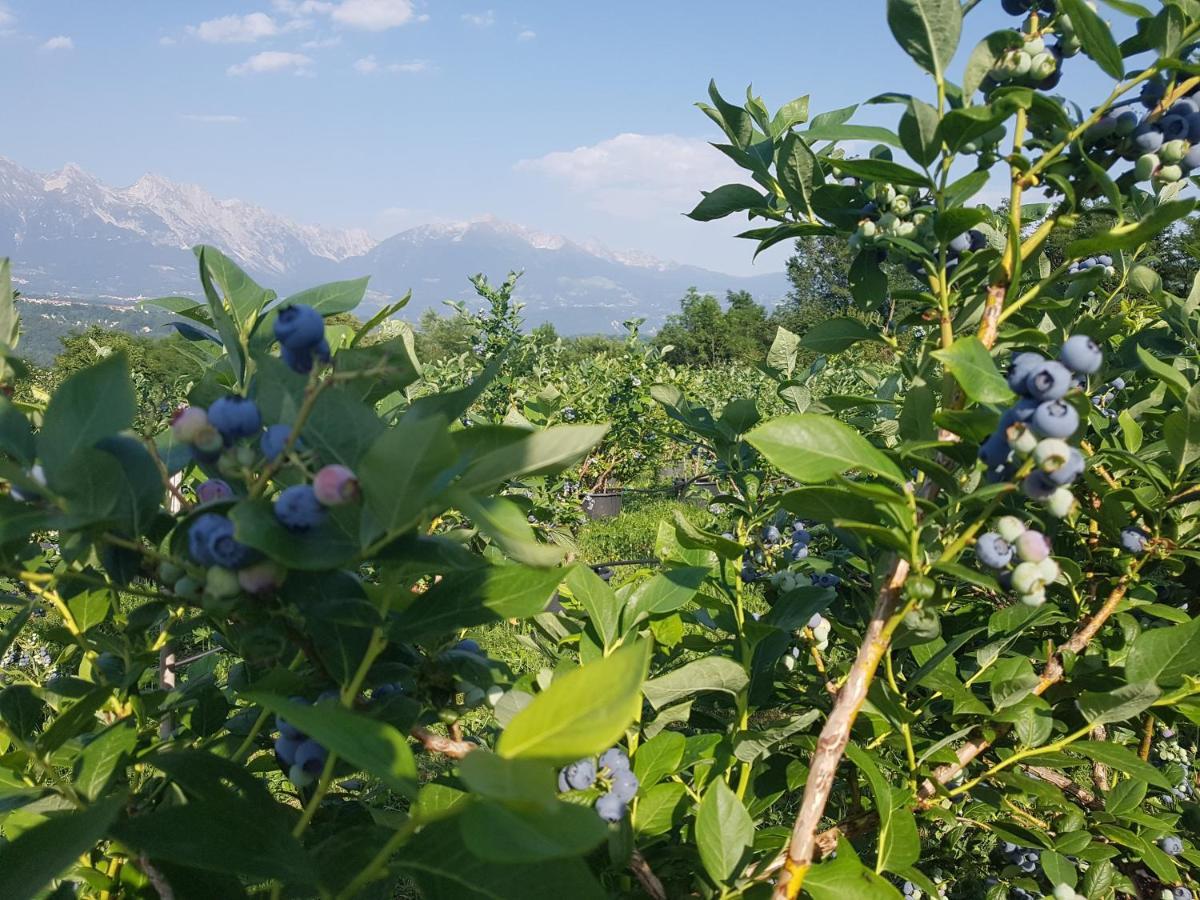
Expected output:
(72, 236)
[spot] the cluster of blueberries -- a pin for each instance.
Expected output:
(1036, 63)
(1134, 539)
(820, 628)
(1102, 401)
(1041, 421)
(300, 755)
(1013, 542)
(1103, 262)
(21, 658)
(612, 772)
(1022, 857)
(1164, 145)
(300, 331)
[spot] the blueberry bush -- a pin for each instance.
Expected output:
(931, 630)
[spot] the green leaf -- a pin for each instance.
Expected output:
(533, 453)
(244, 297)
(728, 198)
(598, 600)
(521, 782)
(797, 168)
(35, 857)
(868, 283)
(711, 673)
(1125, 797)
(506, 835)
(331, 544)
(1123, 760)
(1131, 235)
(1119, 704)
(724, 831)
(16, 435)
(1174, 380)
(476, 597)
(664, 593)
(92, 404)
(506, 524)
(582, 712)
(927, 30)
(845, 877)
(835, 335)
(812, 448)
(335, 297)
(985, 56)
(370, 744)
(1094, 35)
(399, 472)
(99, 760)
(659, 808)
(1013, 679)
(1165, 656)
(851, 133)
(1181, 429)
(973, 367)
(21, 710)
(881, 170)
(658, 757)
(220, 835)
(898, 844)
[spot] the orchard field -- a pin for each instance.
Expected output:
(891, 591)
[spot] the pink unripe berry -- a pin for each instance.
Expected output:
(335, 485)
(261, 577)
(1033, 546)
(188, 422)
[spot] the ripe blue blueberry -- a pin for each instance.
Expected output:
(749, 573)
(610, 808)
(1068, 471)
(615, 760)
(771, 535)
(299, 327)
(995, 450)
(1048, 381)
(1133, 540)
(201, 534)
(273, 440)
(993, 551)
(285, 749)
(826, 580)
(1080, 354)
(1171, 845)
(213, 490)
(298, 509)
(1182, 893)
(1022, 365)
(960, 243)
(1117, 384)
(799, 552)
(311, 756)
(301, 359)
(800, 534)
(1037, 486)
(235, 418)
(581, 775)
(468, 646)
(1173, 127)
(1055, 419)
(624, 785)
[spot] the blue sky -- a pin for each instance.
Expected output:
(573, 118)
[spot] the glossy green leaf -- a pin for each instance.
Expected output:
(813, 448)
(927, 30)
(30, 862)
(724, 831)
(975, 370)
(711, 673)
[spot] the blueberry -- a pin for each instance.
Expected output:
(468, 646)
(993, 551)
(801, 536)
(335, 485)
(213, 490)
(799, 552)
(581, 775)
(615, 760)
(1147, 139)
(1022, 365)
(285, 748)
(1055, 419)
(625, 785)
(563, 784)
(995, 450)
(301, 359)
(960, 244)
(187, 423)
(1173, 127)
(1048, 381)
(1033, 546)
(299, 327)
(235, 417)
(826, 581)
(1171, 845)
(610, 808)
(1133, 540)
(1015, 7)
(771, 535)
(1080, 354)
(298, 509)
(749, 573)
(200, 534)
(1182, 893)
(1037, 486)
(1022, 412)
(1117, 384)
(226, 551)
(273, 440)
(1152, 92)
(1068, 471)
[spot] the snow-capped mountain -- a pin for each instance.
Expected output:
(70, 235)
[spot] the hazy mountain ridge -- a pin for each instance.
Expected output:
(70, 235)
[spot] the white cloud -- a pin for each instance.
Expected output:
(236, 29)
(321, 43)
(166, 41)
(369, 65)
(59, 42)
(527, 35)
(212, 119)
(373, 15)
(272, 61)
(638, 176)
(484, 19)
(7, 19)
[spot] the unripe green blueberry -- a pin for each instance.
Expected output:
(1051, 454)
(1044, 65)
(208, 440)
(920, 588)
(1010, 528)
(1022, 62)
(1034, 598)
(868, 229)
(1060, 503)
(221, 583)
(1021, 439)
(1027, 578)
(1169, 174)
(228, 465)
(902, 205)
(245, 456)
(187, 587)
(1034, 46)
(1048, 570)
(1173, 151)
(169, 573)
(1145, 167)
(888, 221)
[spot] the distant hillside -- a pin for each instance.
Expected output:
(72, 236)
